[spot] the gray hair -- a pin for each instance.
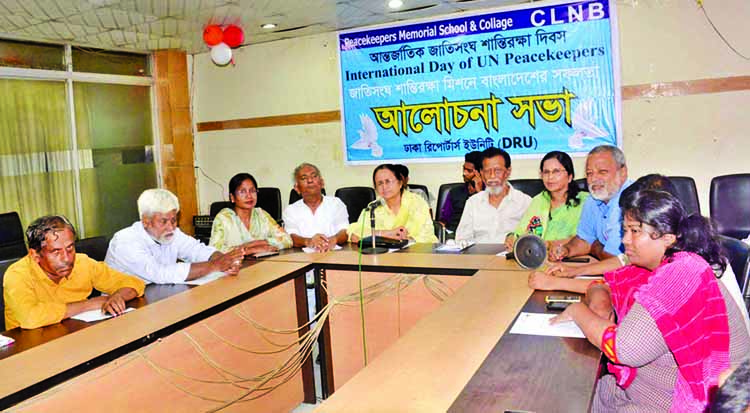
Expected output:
(616, 153)
(37, 231)
(156, 201)
(303, 165)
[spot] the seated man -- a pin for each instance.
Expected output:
(52, 283)
(599, 230)
(315, 221)
(150, 248)
(491, 214)
(450, 214)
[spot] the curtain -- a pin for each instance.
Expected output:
(36, 162)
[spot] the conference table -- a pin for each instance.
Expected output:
(457, 357)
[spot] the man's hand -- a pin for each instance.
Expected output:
(114, 304)
(476, 184)
(229, 262)
(320, 243)
(558, 252)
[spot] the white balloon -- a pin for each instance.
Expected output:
(221, 54)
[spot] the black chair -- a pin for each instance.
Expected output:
(3, 267)
(94, 247)
(443, 192)
(687, 193)
(294, 196)
(582, 184)
(12, 244)
(530, 187)
(218, 206)
(738, 254)
(269, 199)
(729, 201)
(356, 199)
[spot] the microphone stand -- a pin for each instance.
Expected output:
(373, 249)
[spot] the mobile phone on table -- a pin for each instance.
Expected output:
(562, 299)
(576, 259)
(557, 306)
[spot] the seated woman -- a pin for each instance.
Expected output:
(244, 224)
(405, 215)
(554, 213)
(677, 327)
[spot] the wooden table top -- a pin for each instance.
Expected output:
(533, 373)
(70, 351)
(429, 366)
(419, 257)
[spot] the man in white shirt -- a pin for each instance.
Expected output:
(491, 214)
(315, 221)
(150, 248)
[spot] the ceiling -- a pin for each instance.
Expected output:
(142, 25)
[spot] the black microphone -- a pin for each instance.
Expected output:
(374, 204)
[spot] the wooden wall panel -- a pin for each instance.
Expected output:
(175, 130)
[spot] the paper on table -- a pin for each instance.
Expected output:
(311, 250)
(206, 278)
(538, 325)
(455, 246)
(6, 341)
(96, 315)
(502, 254)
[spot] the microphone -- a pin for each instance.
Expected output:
(374, 204)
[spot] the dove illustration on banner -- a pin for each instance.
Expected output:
(368, 137)
(584, 126)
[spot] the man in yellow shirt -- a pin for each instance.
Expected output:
(52, 283)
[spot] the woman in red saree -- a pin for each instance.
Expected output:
(676, 329)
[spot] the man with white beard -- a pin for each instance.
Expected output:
(150, 248)
(491, 214)
(599, 230)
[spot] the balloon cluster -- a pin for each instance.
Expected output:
(222, 42)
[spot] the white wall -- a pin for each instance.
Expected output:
(660, 41)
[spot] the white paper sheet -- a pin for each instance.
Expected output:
(538, 325)
(206, 278)
(6, 341)
(455, 246)
(502, 254)
(311, 250)
(96, 315)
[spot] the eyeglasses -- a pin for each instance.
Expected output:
(555, 172)
(385, 182)
(245, 192)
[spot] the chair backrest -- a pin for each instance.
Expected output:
(269, 198)
(583, 185)
(729, 199)
(530, 187)
(738, 254)
(294, 196)
(687, 193)
(356, 199)
(3, 267)
(420, 189)
(218, 206)
(443, 196)
(12, 244)
(202, 225)
(94, 247)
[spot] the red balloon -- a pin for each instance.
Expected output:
(233, 36)
(213, 35)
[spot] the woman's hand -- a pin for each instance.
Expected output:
(561, 270)
(253, 247)
(396, 233)
(541, 281)
(568, 315)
